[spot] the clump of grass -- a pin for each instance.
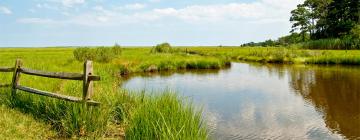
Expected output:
(99, 54)
(162, 48)
(165, 116)
(334, 59)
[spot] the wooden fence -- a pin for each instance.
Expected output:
(87, 77)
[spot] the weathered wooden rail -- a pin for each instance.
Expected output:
(87, 77)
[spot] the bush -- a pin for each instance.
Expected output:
(99, 54)
(162, 48)
(116, 49)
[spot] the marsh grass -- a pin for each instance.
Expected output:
(333, 44)
(166, 116)
(119, 111)
(137, 60)
(141, 116)
(283, 55)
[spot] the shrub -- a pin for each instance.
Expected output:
(162, 48)
(103, 54)
(116, 49)
(82, 54)
(99, 54)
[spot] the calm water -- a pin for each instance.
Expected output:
(256, 101)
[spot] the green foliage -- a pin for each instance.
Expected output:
(99, 54)
(301, 19)
(293, 38)
(326, 18)
(162, 48)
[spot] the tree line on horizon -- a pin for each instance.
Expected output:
(335, 23)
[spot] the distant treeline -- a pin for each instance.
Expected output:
(322, 24)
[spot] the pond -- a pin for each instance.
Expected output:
(268, 101)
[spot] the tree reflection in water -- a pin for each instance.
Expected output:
(333, 90)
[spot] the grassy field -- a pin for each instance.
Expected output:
(121, 111)
(125, 113)
(281, 55)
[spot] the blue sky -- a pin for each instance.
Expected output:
(38, 23)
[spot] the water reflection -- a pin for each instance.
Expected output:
(256, 101)
(335, 91)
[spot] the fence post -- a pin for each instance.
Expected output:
(87, 84)
(16, 77)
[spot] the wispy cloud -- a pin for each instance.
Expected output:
(135, 6)
(154, 1)
(5, 10)
(68, 3)
(264, 11)
(36, 20)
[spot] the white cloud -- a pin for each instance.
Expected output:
(36, 21)
(68, 3)
(154, 1)
(135, 6)
(270, 10)
(259, 12)
(46, 6)
(5, 10)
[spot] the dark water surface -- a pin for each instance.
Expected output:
(264, 101)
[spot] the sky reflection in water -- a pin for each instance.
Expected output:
(264, 101)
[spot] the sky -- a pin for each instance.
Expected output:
(41, 23)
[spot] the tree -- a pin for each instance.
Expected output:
(318, 11)
(300, 17)
(343, 15)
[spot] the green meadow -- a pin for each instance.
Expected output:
(122, 113)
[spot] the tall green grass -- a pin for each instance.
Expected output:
(282, 55)
(333, 44)
(136, 60)
(165, 116)
(119, 110)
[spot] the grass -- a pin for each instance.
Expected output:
(174, 121)
(333, 44)
(16, 125)
(124, 113)
(119, 110)
(135, 60)
(282, 55)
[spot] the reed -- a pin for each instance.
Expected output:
(165, 116)
(333, 44)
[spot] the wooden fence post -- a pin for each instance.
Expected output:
(16, 77)
(87, 83)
